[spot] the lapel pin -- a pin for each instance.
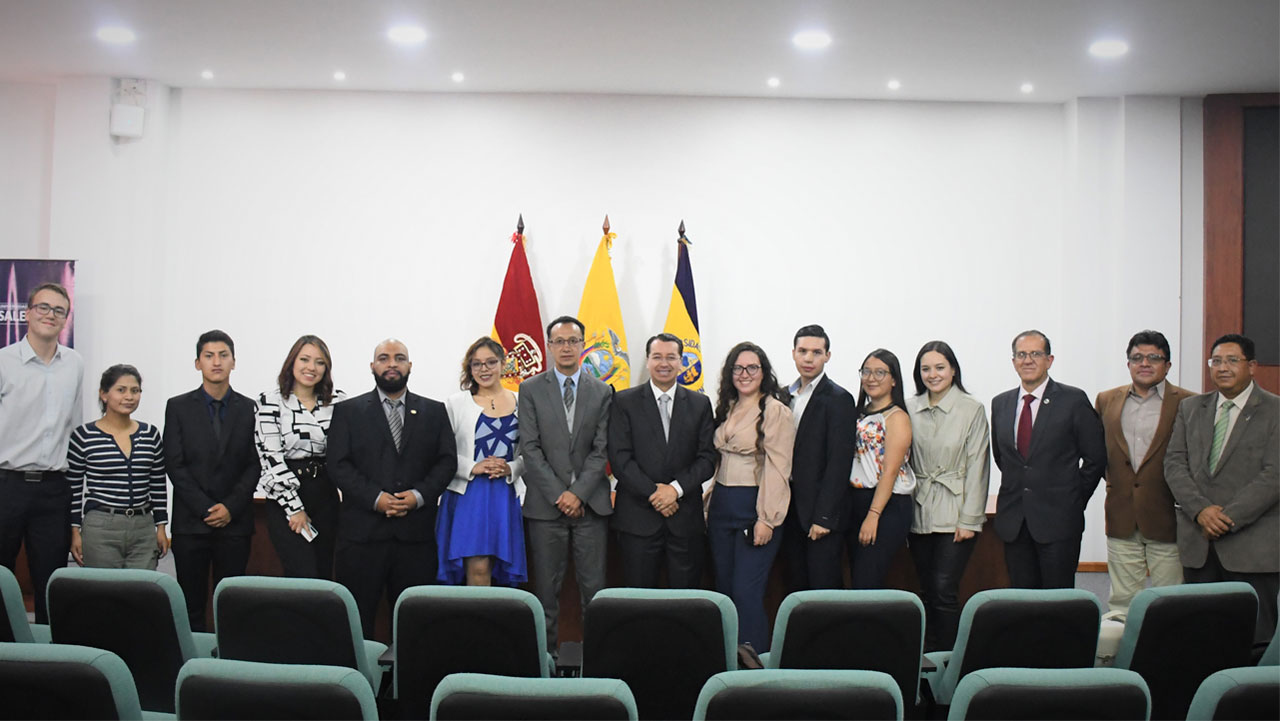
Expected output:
(413, 412)
(1044, 402)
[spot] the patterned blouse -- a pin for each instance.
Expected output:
(870, 459)
(287, 429)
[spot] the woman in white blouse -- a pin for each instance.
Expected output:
(949, 456)
(291, 433)
(479, 532)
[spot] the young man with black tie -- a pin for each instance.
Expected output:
(661, 449)
(213, 466)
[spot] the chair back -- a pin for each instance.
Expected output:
(787, 694)
(1252, 692)
(209, 689)
(663, 643)
(62, 681)
(15, 626)
(505, 698)
(1024, 694)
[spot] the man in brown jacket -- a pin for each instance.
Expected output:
(1138, 420)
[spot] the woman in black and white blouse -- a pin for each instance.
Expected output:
(291, 433)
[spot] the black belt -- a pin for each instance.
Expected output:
(127, 512)
(306, 468)
(32, 476)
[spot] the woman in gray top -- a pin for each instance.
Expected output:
(950, 437)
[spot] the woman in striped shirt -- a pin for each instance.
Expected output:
(116, 469)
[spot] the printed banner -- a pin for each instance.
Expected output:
(20, 276)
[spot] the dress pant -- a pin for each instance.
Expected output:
(298, 557)
(1129, 560)
(550, 543)
(119, 540)
(371, 568)
(1266, 585)
(869, 564)
(642, 558)
(1041, 565)
(196, 556)
(940, 564)
(37, 515)
(742, 568)
(811, 565)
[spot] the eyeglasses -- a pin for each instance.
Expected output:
(1230, 360)
(1152, 358)
(879, 373)
(1035, 355)
(565, 342)
(487, 365)
(748, 371)
(45, 309)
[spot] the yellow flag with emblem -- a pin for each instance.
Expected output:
(604, 352)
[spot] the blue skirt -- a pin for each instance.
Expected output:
(485, 521)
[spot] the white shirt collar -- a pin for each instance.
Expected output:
(1038, 391)
(658, 392)
(1239, 400)
(797, 390)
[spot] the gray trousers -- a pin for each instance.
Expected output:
(119, 541)
(550, 543)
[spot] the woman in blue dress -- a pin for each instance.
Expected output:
(479, 532)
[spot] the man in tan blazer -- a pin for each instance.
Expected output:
(1138, 421)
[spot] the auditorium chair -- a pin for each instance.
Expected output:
(663, 643)
(64, 681)
(293, 620)
(211, 689)
(1176, 636)
(1252, 692)
(787, 694)
(139, 615)
(1019, 627)
(1039, 694)
(16, 627)
(504, 698)
(1271, 656)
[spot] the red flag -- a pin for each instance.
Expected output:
(518, 325)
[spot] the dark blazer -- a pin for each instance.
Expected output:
(823, 458)
(1246, 482)
(558, 460)
(1050, 489)
(641, 458)
(363, 462)
(1137, 496)
(205, 472)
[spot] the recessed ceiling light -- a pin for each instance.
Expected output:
(407, 35)
(894, 84)
(811, 39)
(458, 77)
(1109, 48)
(116, 35)
(339, 75)
(207, 74)
(1027, 87)
(773, 82)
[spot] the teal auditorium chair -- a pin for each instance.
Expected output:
(1252, 692)
(1271, 657)
(1019, 627)
(1036, 694)
(211, 689)
(139, 615)
(293, 620)
(503, 698)
(1176, 636)
(16, 626)
(786, 694)
(442, 630)
(57, 681)
(664, 643)
(853, 630)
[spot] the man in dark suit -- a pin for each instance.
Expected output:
(392, 454)
(1049, 445)
(1221, 467)
(661, 449)
(1138, 420)
(213, 466)
(825, 415)
(564, 421)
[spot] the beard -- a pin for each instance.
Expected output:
(389, 385)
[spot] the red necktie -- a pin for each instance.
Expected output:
(1024, 426)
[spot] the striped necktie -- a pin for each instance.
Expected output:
(394, 420)
(1220, 434)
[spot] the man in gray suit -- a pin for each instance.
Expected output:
(564, 416)
(1221, 467)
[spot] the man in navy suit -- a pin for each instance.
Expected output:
(392, 454)
(661, 449)
(1051, 450)
(213, 465)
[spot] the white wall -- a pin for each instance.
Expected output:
(26, 143)
(363, 215)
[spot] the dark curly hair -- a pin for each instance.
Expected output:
(468, 381)
(727, 394)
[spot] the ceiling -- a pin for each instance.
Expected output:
(976, 50)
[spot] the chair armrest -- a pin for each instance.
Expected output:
(41, 633)
(205, 643)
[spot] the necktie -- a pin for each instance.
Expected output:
(1024, 426)
(217, 420)
(394, 420)
(1220, 434)
(664, 408)
(568, 397)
